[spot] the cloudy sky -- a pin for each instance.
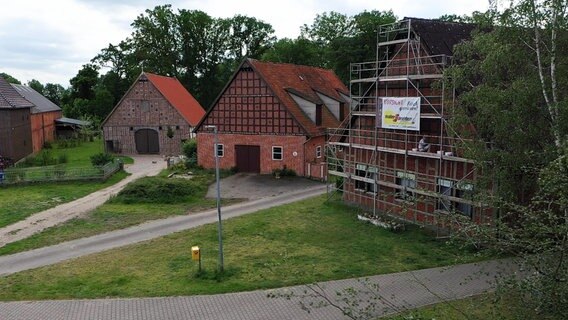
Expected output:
(49, 40)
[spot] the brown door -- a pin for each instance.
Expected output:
(248, 158)
(147, 141)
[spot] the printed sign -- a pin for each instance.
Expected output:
(399, 113)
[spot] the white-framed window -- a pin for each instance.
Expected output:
(318, 152)
(462, 190)
(277, 153)
(220, 149)
(408, 183)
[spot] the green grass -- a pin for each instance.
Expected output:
(298, 243)
(17, 202)
(126, 210)
(20, 201)
(481, 307)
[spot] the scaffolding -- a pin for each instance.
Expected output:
(383, 170)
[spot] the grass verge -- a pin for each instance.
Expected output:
(20, 201)
(146, 199)
(303, 242)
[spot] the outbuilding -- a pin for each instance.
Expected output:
(155, 116)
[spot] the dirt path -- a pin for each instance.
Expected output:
(143, 166)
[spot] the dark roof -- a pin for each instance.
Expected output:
(10, 98)
(73, 122)
(42, 104)
(440, 37)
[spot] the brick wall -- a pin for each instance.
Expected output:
(293, 151)
(157, 114)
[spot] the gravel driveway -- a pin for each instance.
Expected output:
(254, 186)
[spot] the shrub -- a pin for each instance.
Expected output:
(47, 145)
(62, 158)
(44, 158)
(100, 159)
(189, 150)
(160, 190)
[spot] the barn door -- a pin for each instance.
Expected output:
(248, 158)
(147, 141)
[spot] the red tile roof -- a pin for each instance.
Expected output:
(178, 96)
(304, 81)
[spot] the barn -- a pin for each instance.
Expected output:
(43, 116)
(15, 127)
(273, 116)
(155, 116)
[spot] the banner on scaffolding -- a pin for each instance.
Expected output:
(399, 113)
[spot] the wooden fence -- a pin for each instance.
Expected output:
(57, 173)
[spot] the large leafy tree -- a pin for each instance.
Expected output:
(9, 78)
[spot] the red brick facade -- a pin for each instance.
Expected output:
(144, 107)
(255, 109)
(43, 128)
(292, 147)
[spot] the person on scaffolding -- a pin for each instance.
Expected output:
(423, 146)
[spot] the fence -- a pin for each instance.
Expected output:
(57, 173)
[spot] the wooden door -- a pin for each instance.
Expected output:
(247, 158)
(147, 141)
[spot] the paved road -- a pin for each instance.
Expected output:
(398, 292)
(146, 231)
(143, 166)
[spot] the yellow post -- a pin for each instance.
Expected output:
(196, 255)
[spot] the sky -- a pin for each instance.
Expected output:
(49, 40)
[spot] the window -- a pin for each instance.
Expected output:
(460, 190)
(318, 152)
(220, 150)
(366, 177)
(406, 181)
(277, 153)
(318, 114)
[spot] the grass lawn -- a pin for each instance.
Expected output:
(299, 243)
(485, 306)
(20, 201)
(122, 213)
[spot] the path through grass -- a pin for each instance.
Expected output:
(298, 243)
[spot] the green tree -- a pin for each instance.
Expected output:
(248, 37)
(83, 84)
(9, 78)
(54, 92)
(328, 26)
(36, 85)
(297, 51)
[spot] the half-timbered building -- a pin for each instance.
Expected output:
(273, 116)
(401, 156)
(155, 116)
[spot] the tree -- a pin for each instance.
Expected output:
(83, 84)
(299, 51)
(36, 85)
(249, 37)
(327, 27)
(9, 78)
(54, 92)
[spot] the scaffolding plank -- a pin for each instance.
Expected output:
(364, 113)
(388, 43)
(337, 173)
(430, 116)
(362, 80)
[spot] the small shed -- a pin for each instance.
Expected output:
(155, 116)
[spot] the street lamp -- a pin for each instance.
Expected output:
(219, 224)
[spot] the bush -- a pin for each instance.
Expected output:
(284, 172)
(62, 158)
(47, 145)
(160, 190)
(189, 150)
(100, 159)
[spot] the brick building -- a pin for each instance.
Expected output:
(155, 116)
(15, 125)
(397, 101)
(273, 115)
(43, 116)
